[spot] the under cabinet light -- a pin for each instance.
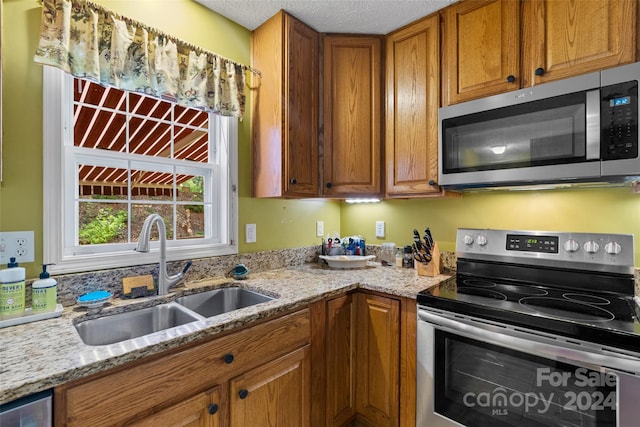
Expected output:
(362, 200)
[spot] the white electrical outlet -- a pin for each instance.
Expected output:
(319, 228)
(380, 229)
(250, 233)
(18, 245)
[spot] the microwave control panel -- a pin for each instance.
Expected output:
(619, 117)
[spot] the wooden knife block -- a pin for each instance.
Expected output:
(433, 268)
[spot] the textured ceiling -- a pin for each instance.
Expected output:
(330, 16)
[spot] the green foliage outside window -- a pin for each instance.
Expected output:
(105, 228)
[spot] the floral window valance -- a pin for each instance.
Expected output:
(89, 41)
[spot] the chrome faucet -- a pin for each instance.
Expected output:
(165, 282)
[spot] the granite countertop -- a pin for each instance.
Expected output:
(40, 355)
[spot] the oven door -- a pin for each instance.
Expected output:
(478, 374)
(523, 136)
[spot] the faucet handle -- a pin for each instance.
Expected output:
(186, 267)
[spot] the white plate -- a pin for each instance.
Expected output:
(347, 261)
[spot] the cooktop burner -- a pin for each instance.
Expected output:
(583, 315)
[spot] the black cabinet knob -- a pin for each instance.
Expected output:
(228, 358)
(293, 181)
(432, 182)
(243, 393)
(329, 185)
(539, 71)
(213, 408)
(511, 78)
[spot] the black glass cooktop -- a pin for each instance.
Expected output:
(601, 317)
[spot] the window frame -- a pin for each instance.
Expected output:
(60, 170)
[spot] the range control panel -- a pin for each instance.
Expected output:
(590, 251)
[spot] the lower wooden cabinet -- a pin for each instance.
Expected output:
(346, 360)
(378, 355)
(275, 394)
(341, 360)
(198, 386)
(365, 343)
(202, 410)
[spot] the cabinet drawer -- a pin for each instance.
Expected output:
(114, 398)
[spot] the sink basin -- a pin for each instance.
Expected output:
(133, 324)
(222, 300)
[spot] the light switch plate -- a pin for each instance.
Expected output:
(250, 233)
(319, 228)
(379, 228)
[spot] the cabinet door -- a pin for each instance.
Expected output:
(413, 97)
(378, 349)
(301, 109)
(285, 108)
(566, 38)
(275, 394)
(341, 359)
(202, 410)
(481, 49)
(352, 115)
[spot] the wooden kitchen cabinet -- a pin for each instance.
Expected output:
(285, 108)
(563, 39)
(341, 360)
(202, 410)
(183, 384)
(365, 344)
(274, 394)
(484, 45)
(378, 352)
(481, 49)
(352, 110)
(412, 100)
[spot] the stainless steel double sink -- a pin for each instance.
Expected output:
(191, 308)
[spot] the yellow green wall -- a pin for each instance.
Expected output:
(613, 210)
(280, 223)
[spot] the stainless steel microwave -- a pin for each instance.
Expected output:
(579, 130)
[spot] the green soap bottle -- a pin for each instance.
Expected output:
(44, 293)
(12, 290)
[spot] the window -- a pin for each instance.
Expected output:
(113, 157)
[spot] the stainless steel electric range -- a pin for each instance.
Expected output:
(536, 329)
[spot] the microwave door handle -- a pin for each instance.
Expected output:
(593, 124)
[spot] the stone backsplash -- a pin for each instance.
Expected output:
(70, 286)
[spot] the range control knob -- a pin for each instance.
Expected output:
(613, 248)
(571, 245)
(591, 247)
(482, 240)
(467, 239)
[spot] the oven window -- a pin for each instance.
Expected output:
(483, 385)
(545, 132)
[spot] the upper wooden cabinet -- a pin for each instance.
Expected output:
(352, 109)
(565, 38)
(484, 46)
(412, 100)
(481, 49)
(285, 108)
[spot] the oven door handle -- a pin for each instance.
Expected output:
(532, 343)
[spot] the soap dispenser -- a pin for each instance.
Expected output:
(44, 293)
(12, 290)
